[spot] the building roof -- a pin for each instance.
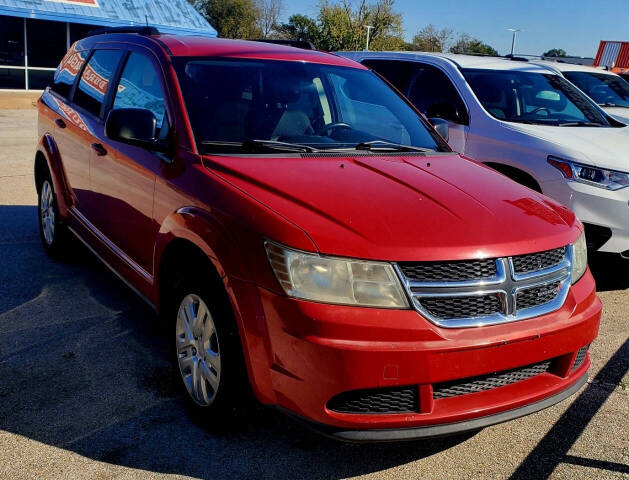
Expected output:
(169, 16)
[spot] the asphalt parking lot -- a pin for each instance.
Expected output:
(86, 392)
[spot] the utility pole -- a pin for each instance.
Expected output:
(368, 27)
(515, 33)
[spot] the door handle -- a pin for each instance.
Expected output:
(60, 123)
(99, 149)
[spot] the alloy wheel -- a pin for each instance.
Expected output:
(198, 352)
(47, 212)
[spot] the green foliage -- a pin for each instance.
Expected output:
(340, 25)
(555, 52)
(468, 44)
(231, 18)
(430, 39)
(300, 27)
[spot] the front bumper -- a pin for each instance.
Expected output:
(596, 206)
(447, 429)
(320, 351)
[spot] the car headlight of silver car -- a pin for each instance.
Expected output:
(336, 280)
(596, 176)
(579, 258)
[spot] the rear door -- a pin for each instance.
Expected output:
(431, 91)
(79, 119)
(123, 176)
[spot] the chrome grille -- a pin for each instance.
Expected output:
(471, 293)
(449, 271)
(532, 297)
(487, 382)
(538, 261)
(377, 400)
(462, 307)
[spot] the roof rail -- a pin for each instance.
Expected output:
(142, 30)
(303, 44)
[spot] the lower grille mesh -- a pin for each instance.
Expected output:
(487, 382)
(580, 358)
(377, 400)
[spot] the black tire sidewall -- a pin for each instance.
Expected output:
(231, 394)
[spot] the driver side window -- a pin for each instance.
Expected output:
(140, 87)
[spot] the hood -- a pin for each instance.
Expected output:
(619, 113)
(598, 146)
(401, 207)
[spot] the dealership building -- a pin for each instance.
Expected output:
(35, 34)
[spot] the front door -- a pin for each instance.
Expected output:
(123, 176)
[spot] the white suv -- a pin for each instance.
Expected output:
(608, 90)
(528, 122)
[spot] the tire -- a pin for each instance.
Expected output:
(52, 231)
(207, 352)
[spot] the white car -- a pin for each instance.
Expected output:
(608, 90)
(527, 121)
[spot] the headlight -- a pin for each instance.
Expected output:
(579, 258)
(598, 177)
(336, 280)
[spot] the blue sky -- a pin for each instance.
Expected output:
(577, 26)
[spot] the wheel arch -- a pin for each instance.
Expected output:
(47, 159)
(516, 174)
(184, 235)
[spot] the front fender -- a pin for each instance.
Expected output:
(228, 256)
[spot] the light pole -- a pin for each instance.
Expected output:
(515, 33)
(368, 27)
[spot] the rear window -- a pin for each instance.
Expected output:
(67, 71)
(90, 94)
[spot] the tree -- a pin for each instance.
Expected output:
(269, 12)
(300, 27)
(340, 25)
(469, 44)
(555, 52)
(430, 39)
(231, 18)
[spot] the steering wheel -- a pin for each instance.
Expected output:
(540, 109)
(327, 129)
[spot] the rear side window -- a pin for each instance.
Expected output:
(140, 87)
(398, 73)
(67, 71)
(90, 94)
(432, 92)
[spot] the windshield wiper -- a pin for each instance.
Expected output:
(581, 124)
(257, 145)
(384, 145)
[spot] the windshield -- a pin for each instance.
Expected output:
(234, 103)
(606, 90)
(537, 98)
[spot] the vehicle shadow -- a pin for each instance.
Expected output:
(610, 271)
(84, 367)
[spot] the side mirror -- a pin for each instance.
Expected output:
(441, 126)
(134, 126)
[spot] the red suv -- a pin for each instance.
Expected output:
(303, 229)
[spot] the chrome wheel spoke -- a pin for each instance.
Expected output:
(210, 376)
(197, 350)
